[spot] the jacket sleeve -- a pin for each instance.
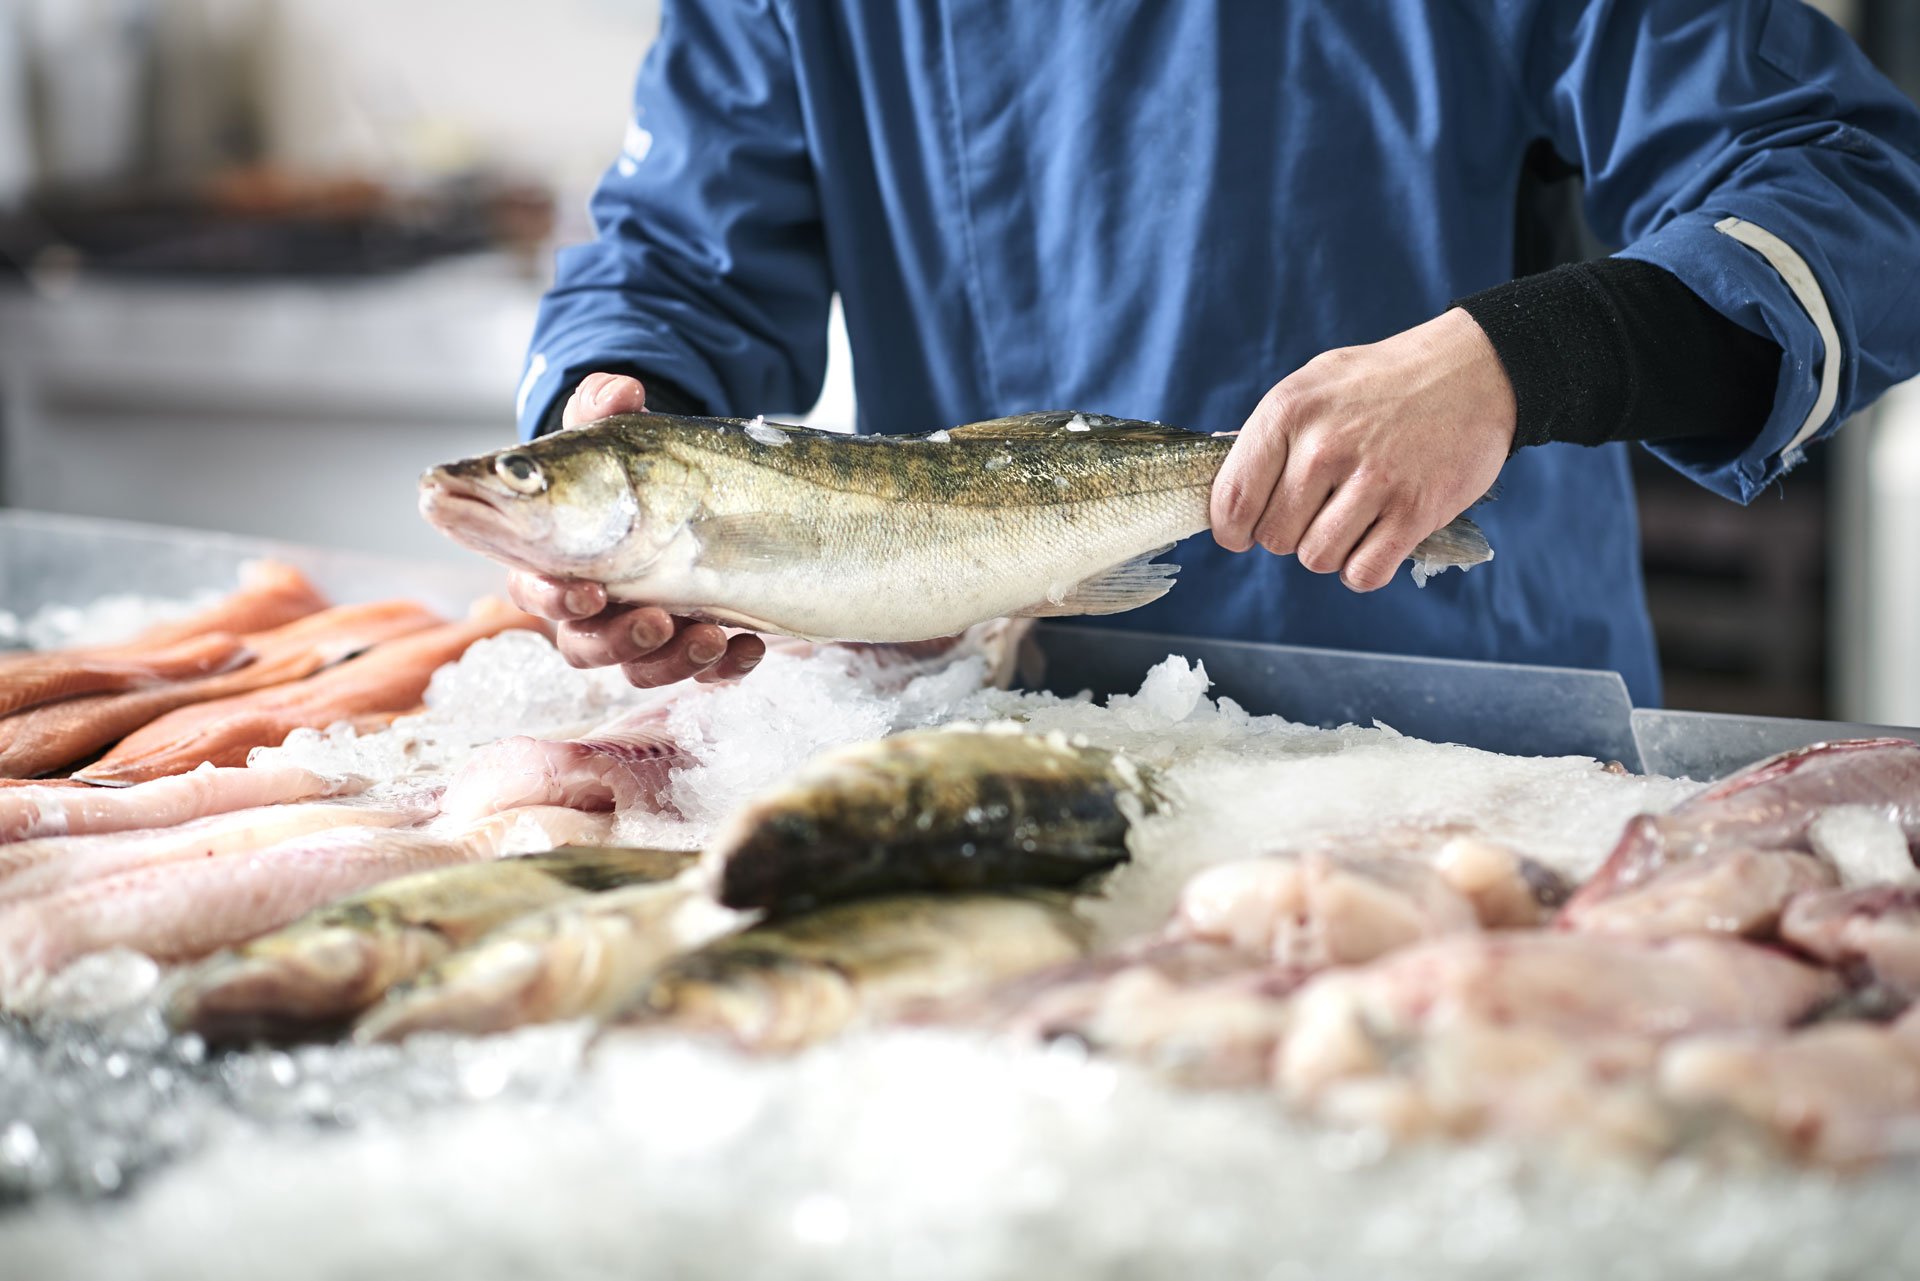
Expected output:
(1748, 147)
(708, 266)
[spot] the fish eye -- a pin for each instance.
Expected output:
(521, 474)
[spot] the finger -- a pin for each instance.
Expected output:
(744, 653)
(1244, 485)
(697, 647)
(1377, 559)
(623, 634)
(602, 396)
(562, 599)
(1294, 504)
(1338, 528)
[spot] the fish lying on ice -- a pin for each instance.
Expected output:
(629, 762)
(1843, 1094)
(954, 808)
(1314, 910)
(271, 594)
(51, 737)
(1873, 933)
(623, 765)
(30, 868)
(1351, 1022)
(389, 677)
(1720, 891)
(1197, 1013)
(76, 809)
(791, 983)
(832, 537)
(333, 963)
(56, 676)
(584, 958)
(181, 911)
(1776, 804)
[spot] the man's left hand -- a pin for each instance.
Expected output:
(1362, 452)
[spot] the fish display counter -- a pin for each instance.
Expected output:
(385, 942)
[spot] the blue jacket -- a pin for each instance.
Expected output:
(1158, 209)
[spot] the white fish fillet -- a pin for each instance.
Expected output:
(180, 911)
(54, 863)
(36, 811)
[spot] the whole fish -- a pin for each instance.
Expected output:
(790, 984)
(833, 537)
(584, 958)
(955, 808)
(333, 963)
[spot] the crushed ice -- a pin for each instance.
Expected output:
(935, 1155)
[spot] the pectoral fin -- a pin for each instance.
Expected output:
(1128, 585)
(755, 540)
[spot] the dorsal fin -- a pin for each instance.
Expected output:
(1057, 423)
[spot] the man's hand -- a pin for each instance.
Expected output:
(1354, 458)
(651, 646)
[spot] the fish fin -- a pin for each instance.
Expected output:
(1128, 585)
(1065, 422)
(754, 540)
(1460, 543)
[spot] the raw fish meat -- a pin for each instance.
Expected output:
(391, 677)
(620, 766)
(76, 809)
(1720, 891)
(182, 911)
(52, 863)
(56, 676)
(1308, 911)
(1874, 933)
(48, 738)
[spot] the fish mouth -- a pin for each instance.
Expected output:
(472, 517)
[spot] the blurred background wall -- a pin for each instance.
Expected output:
(261, 261)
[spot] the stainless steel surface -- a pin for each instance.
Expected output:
(1500, 707)
(70, 560)
(1710, 745)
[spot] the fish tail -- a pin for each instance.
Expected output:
(1461, 543)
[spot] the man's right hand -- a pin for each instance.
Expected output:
(650, 645)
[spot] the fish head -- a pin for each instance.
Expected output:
(597, 502)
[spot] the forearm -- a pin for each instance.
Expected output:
(1621, 350)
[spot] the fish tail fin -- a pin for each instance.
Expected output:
(1461, 544)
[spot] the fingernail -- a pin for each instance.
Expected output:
(604, 392)
(649, 636)
(746, 665)
(578, 601)
(705, 651)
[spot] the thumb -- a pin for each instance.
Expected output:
(602, 396)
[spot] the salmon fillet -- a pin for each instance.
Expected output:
(390, 677)
(48, 738)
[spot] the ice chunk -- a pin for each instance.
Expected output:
(759, 430)
(1172, 690)
(1866, 846)
(107, 619)
(940, 437)
(1079, 423)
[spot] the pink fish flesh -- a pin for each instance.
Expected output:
(35, 810)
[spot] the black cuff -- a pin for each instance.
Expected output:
(663, 397)
(1618, 349)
